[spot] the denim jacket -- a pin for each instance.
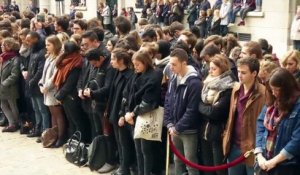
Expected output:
(288, 136)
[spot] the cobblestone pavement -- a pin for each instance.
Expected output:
(20, 155)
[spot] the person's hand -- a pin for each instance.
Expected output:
(59, 102)
(261, 161)
(270, 164)
(25, 74)
(172, 131)
(129, 118)
(121, 121)
(80, 94)
(87, 92)
(43, 90)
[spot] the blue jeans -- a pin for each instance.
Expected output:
(187, 145)
(241, 168)
(232, 14)
(42, 118)
(244, 11)
(258, 3)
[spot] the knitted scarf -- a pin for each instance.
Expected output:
(7, 56)
(70, 62)
(212, 86)
(271, 121)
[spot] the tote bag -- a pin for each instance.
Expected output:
(149, 125)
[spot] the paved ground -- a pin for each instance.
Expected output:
(20, 155)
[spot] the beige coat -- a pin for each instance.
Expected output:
(47, 82)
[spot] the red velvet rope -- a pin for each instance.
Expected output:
(205, 168)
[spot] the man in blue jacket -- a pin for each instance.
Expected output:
(181, 115)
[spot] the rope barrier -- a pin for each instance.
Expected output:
(208, 168)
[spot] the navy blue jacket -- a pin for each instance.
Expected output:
(182, 101)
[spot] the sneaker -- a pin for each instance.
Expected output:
(230, 25)
(106, 168)
(11, 128)
(34, 134)
(38, 140)
(241, 23)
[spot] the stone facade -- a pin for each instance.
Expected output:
(273, 23)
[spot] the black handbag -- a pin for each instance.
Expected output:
(76, 151)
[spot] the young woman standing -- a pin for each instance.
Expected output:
(278, 126)
(121, 60)
(69, 65)
(10, 77)
(142, 95)
(53, 46)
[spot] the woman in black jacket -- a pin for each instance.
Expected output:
(142, 95)
(214, 109)
(121, 60)
(68, 69)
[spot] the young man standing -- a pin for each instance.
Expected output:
(181, 109)
(247, 100)
(252, 49)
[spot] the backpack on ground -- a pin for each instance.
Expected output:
(97, 153)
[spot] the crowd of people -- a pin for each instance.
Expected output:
(221, 99)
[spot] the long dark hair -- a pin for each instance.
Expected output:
(69, 48)
(288, 93)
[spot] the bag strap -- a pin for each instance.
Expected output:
(77, 136)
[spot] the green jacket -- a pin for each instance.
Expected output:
(10, 76)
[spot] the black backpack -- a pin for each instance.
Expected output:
(97, 153)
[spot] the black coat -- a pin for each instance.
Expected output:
(100, 85)
(142, 93)
(215, 116)
(119, 83)
(35, 68)
(68, 89)
(215, 27)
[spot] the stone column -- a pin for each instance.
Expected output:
(44, 4)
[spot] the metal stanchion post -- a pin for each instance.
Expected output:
(168, 154)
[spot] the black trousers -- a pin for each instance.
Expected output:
(77, 120)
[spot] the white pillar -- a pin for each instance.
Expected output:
(121, 4)
(44, 4)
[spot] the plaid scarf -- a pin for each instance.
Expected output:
(271, 121)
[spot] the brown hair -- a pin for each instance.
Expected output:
(53, 39)
(253, 64)
(143, 57)
(254, 48)
(216, 39)
(268, 66)
(79, 15)
(191, 38)
(180, 54)
(123, 54)
(151, 48)
(229, 42)
(12, 44)
(294, 55)
(288, 90)
(221, 62)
